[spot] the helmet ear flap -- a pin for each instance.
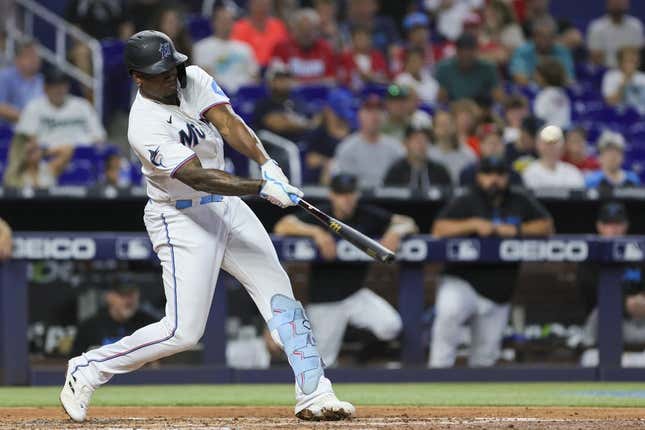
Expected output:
(181, 74)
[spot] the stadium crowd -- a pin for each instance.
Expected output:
(350, 88)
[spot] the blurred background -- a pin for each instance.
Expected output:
(386, 114)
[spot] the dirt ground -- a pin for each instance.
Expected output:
(369, 417)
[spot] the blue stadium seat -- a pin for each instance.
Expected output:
(245, 99)
(313, 96)
(79, 172)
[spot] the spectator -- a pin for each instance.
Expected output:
(501, 26)
(338, 119)
(364, 13)
(401, 109)
(6, 240)
(548, 171)
(329, 27)
(467, 117)
(611, 146)
(613, 222)
(479, 295)
(491, 145)
(521, 153)
(450, 15)
(362, 64)
(307, 55)
(607, 34)
(552, 104)
(30, 166)
(368, 153)
(170, 20)
(415, 171)
(417, 77)
(119, 318)
(626, 84)
(59, 118)
(337, 296)
(525, 59)
(116, 172)
(535, 10)
(20, 83)
(260, 30)
(231, 62)
(489, 49)
(467, 77)
(516, 108)
(446, 149)
(576, 150)
(101, 19)
(417, 37)
(280, 112)
(140, 12)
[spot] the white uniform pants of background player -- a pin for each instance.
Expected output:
(364, 309)
(458, 304)
(193, 244)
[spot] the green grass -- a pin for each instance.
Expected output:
(439, 394)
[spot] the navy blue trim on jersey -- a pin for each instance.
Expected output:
(154, 342)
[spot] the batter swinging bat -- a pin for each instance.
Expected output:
(355, 237)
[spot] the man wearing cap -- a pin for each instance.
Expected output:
(279, 112)
(521, 152)
(464, 76)
(337, 296)
(368, 153)
(401, 111)
(549, 171)
(59, 118)
(479, 295)
(613, 221)
(416, 171)
(611, 146)
(120, 317)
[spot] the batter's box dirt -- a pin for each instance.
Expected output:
(369, 417)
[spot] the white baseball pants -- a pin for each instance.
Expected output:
(457, 305)
(193, 244)
(363, 309)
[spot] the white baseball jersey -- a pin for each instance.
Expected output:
(165, 137)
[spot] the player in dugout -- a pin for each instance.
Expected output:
(478, 295)
(337, 295)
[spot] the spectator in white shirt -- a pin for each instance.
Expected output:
(417, 77)
(231, 62)
(58, 118)
(613, 30)
(626, 84)
(548, 171)
(552, 104)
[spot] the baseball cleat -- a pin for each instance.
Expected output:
(75, 398)
(327, 408)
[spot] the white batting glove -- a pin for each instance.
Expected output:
(280, 193)
(271, 171)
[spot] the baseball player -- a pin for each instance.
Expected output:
(197, 225)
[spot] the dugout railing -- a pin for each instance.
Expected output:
(414, 253)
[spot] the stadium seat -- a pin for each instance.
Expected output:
(245, 99)
(79, 172)
(313, 96)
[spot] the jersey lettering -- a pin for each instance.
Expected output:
(191, 137)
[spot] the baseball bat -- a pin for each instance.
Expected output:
(353, 236)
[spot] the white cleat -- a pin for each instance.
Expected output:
(75, 398)
(327, 407)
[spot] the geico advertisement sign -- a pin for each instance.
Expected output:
(59, 248)
(543, 250)
(410, 250)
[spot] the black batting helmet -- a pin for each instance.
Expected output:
(152, 52)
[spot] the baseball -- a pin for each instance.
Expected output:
(551, 133)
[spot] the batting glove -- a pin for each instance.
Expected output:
(280, 193)
(271, 171)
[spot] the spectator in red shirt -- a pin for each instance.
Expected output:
(308, 56)
(260, 30)
(362, 63)
(576, 151)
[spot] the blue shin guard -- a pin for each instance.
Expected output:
(293, 327)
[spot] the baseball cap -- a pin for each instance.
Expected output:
(344, 183)
(611, 139)
(493, 164)
(395, 91)
(612, 212)
(472, 20)
(415, 19)
(466, 41)
(371, 101)
(551, 134)
(54, 76)
(277, 69)
(343, 104)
